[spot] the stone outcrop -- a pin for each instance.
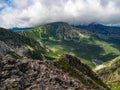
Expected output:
(28, 74)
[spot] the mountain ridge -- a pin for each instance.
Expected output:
(68, 71)
(20, 45)
(25, 74)
(109, 31)
(61, 37)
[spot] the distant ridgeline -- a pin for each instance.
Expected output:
(109, 31)
(16, 28)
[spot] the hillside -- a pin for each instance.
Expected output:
(61, 38)
(110, 73)
(106, 33)
(19, 46)
(68, 73)
(109, 31)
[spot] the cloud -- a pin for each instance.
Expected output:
(28, 13)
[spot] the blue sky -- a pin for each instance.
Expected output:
(28, 13)
(8, 2)
(1, 8)
(4, 4)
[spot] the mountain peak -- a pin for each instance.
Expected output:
(95, 24)
(57, 23)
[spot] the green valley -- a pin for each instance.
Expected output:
(62, 38)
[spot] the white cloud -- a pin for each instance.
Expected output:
(27, 13)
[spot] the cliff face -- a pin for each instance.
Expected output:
(66, 74)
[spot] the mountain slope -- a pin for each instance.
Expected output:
(66, 74)
(17, 45)
(105, 33)
(110, 73)
(111, 32)
(63, 38)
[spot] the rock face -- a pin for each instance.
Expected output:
(11, 42)
(3, 48)
(28, 74)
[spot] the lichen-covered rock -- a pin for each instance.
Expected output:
(28, 74)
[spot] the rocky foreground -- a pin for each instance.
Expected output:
(66, 74)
